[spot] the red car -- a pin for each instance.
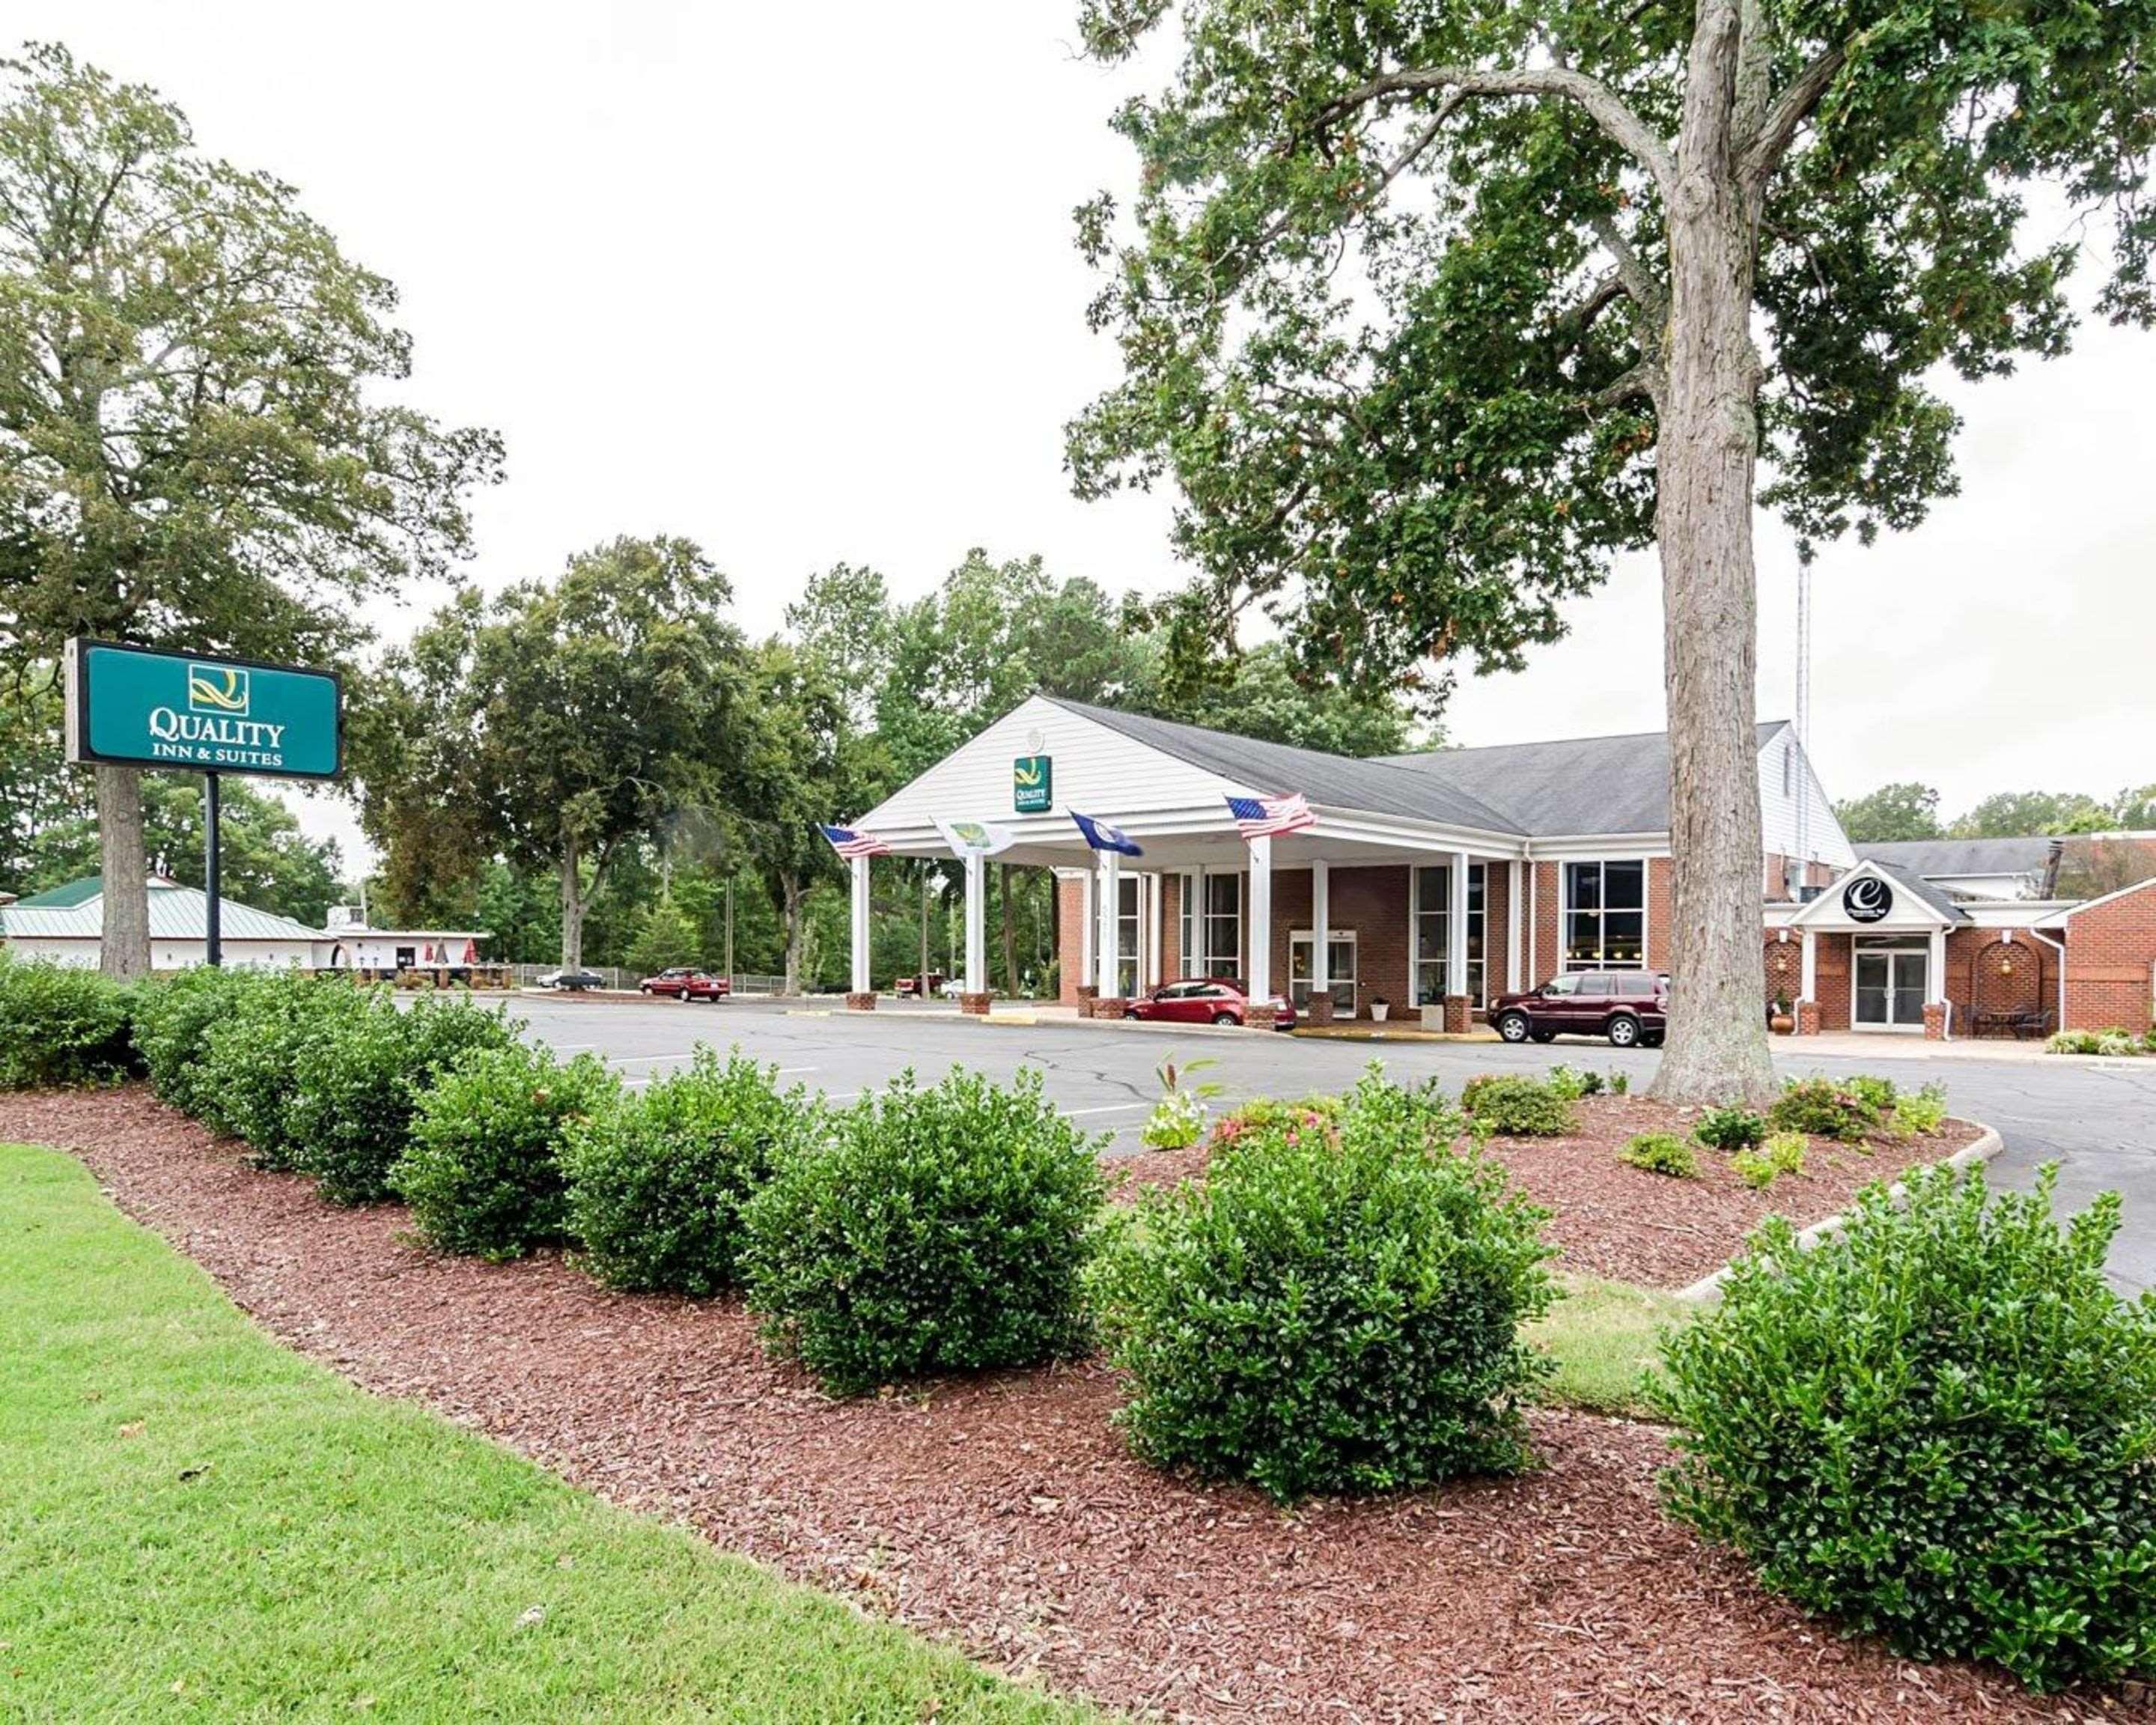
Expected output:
(1629, 1007)
(684, 983)
(1203, 1000)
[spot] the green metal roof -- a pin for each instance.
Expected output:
(67, 897)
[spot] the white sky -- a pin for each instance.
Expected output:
(798, 282)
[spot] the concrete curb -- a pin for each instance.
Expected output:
(1987, 1144)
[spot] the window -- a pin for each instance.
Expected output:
(1605, 916)
(1128, 923)
(1339, 965)
(1223, 925)
(1186, 915)
(1433, 912)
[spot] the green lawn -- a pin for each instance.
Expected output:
(195, 1522)
(1601, 1337)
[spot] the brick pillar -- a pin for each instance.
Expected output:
(973, 1005)
(1808, 1018)
(1319, 1010)
(860, 1003)
(1259, 1017)
(1935, 1021)
(1459, 1015)
(1107, 1006)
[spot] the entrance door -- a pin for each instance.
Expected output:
(1891, 985)
(1340, 962)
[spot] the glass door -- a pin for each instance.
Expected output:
(1340, 962)
(1890, 987)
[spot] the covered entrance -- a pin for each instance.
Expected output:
(1889, 983)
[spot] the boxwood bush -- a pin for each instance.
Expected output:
(1332, 1316)
(482, 1170)
(172, 1019)
(657, 1186)
(1660, 1154)
(934, 1230)
(355, 1084)
(242, 1082)
(1515, 1107)
(1824, 1109)
(1937, 1427)
(1731, 1129)
(60, 1025)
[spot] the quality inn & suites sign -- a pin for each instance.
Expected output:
(133, 707)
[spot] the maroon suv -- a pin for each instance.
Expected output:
(1629, 1007)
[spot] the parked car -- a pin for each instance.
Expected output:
(908, 988)
(1204, 1000)
(1629, 1007)
(574, 982)
(684, 982)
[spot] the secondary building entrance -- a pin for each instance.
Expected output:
(1339, 964)
(1892, 984)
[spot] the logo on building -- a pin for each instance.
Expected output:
(1033, 785)
(1867, 899)
(216, 688)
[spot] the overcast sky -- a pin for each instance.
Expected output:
(798, 282)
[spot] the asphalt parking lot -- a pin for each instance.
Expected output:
(2098, 1122)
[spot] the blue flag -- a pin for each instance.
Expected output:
(1103, 837)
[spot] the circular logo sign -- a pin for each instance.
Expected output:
(1867, 899)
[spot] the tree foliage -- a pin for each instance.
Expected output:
(1901, 811)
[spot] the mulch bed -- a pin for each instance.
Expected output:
(1005, 1515)
(1609, 1218)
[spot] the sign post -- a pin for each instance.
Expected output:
(131, 706)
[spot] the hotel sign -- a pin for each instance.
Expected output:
(1033, 785)
(133, 707)
(1867, 899)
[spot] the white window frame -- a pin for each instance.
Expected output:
(1334, 938)
(1186, 926)
(1130, 930)
(1478, 922)
(1228, 965)
(1566, 913)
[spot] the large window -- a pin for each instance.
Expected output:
(1339, 967)
(1129, 936)
(1223, 925)
(1186, 924)
(1432, 913)
(1605, 916)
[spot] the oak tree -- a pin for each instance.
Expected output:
(1427, 307)
(192, 450)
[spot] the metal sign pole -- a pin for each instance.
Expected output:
(213, 872)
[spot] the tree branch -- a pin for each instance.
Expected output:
(1602, 104)
(1650, 296)
(1642, 380)
(1762, 152)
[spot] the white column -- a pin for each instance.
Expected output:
(1107, 896)
(1320, 930)
(1935, 973)
(860, 925)
(1089, 925)
(1456, 926)
(1260, 932)
(1516, 891)
(1156, 918)
(1193, 961)
(976, 922)
(1811, 979)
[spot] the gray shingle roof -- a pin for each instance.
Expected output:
(1937, 897)
(1277, 768)
(1937, 857)
(1582, 784)
(1576, 784)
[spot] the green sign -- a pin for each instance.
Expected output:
(1033, 785)
(136, 708)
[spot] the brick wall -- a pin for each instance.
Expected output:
(1496, 925)
(1546, 900)
(1833, 981)
(2110, 947)
(1171, 928)
(1659, 914)
(1069, 939)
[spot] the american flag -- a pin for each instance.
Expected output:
(850, 844)
(1261, 817)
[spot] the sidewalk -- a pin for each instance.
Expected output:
(1861, 1045)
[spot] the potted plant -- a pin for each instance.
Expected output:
(1379, 1006)
(1783, 1019)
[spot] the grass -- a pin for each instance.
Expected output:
(197, 1523)
(1601, 1336)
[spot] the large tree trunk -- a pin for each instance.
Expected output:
(1706, 444)
(572, 907)
(124, 947)
(791, 895)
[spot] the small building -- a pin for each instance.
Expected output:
(379, 952)
(66, 924)
(1438, 879)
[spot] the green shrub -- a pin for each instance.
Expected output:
(1177, 1120)
(1731, 1129)
(1273, 1117)
(1755, 1169)
(1518, 1107)
(2116, 1044)
(1936, 1427)
(482, 1171)
(243, 1085)
(1920, 1111)
(1620, 1083)
(60, 1025)
(1325, 1317)
(1819, 1108)
(1661, 1153)
(355, 1086)
(657, 1186)
(1573, 1086)
(1876, 1093)
(172, 1019)
(1785, 1152)
(937, 1230)
(2082, 1042)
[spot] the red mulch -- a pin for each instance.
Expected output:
(1610, 1219)
(1005, 1515)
